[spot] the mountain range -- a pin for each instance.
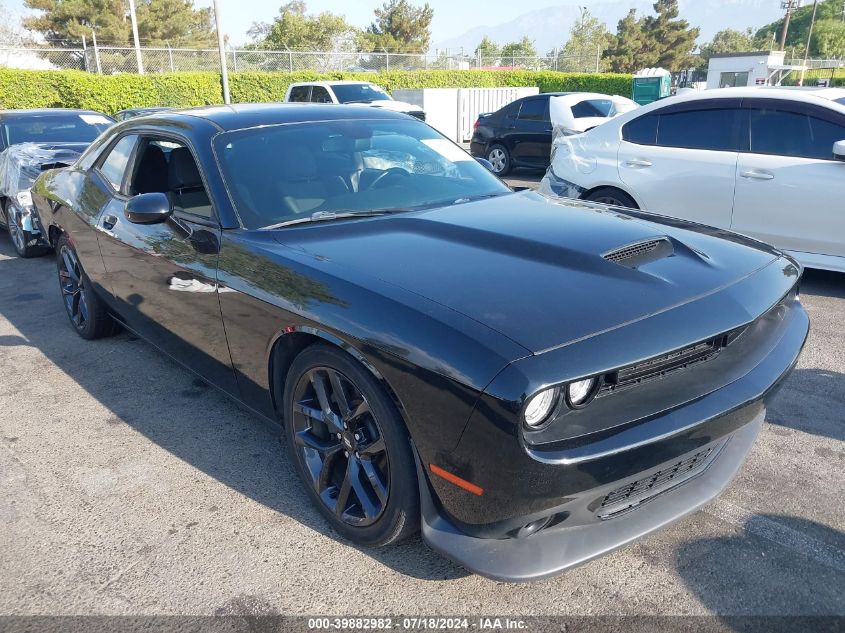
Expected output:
(549, 27)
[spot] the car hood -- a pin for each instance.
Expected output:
(22, 163)
(533, 268)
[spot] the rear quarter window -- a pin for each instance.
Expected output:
(642, 130)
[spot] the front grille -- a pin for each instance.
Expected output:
(636, 492)
(661, 366)
(640, 253)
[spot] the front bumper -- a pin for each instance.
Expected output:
(559, 548)
(606, 491)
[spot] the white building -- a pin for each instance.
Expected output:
(764, 68)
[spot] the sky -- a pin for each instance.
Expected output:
(451, 17)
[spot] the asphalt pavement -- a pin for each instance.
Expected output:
(128, 486)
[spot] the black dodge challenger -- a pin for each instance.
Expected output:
(533, 382)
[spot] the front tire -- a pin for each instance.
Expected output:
(350, 448)
(87, 312)
(20, 238)
(500, 158)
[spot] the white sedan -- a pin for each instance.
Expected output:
(766, 162)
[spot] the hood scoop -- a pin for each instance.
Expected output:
(641, 253)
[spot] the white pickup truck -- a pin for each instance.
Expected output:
(349, 92)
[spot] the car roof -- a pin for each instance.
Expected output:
(246, 115)
(8, 114)
(769, 92)
(333, 82)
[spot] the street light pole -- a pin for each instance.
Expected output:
(134, 20)
(224, 71)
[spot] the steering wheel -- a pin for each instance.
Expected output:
(391, 171)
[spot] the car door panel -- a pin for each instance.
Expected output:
(682, 160)
(164, 280)
(789, 190)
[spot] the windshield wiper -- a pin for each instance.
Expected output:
(324, 216)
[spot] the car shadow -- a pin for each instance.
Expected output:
(823, 282)
(792, 565)
(176, 410)
(813, 401)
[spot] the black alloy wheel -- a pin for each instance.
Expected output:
(350, 448)
(86, 311)
(18, 235)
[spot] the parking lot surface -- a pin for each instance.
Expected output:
(128, 486)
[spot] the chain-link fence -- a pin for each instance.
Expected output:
(112, 60)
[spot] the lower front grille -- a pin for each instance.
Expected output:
(636, 492)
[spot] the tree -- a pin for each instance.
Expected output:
(295, 29)
(727, 41)
(11, 30)
(629, 50)
(587, 39)
(828, 39)
(401, 27)
(799, 26)
(661, 40)
(673, 38)
(174, 22)
(66, 22)
(488, 51)
(513, 51)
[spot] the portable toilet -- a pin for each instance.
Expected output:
(651, 84)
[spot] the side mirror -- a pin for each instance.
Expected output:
(839, 150)
(148, 208)
(486, 164)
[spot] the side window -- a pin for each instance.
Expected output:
(534, 110)
(699, 129)
(320, 95)
(642, 130)
(792, 134)
(299, 93)
(168, 167)
(113, 167)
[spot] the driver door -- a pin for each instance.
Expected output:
(164, 276)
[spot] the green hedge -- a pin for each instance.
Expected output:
(110, 93)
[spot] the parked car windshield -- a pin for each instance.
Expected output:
(54, 128)
(285, 172)
(357, 93)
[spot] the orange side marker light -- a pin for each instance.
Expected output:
(454, 479)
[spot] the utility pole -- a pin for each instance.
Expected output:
(809, 39)
(134, 20)
(224, 71)
(790, 6)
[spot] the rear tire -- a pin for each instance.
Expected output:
(500, 158)
(612, 197)
(87, 312)
(350, 448)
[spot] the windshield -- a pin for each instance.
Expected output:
(351, 93)
(285, 172)
(54, 128)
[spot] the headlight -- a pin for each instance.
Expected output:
(539, 407)
(581, 392)
(24, 198)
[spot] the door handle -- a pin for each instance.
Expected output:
(754, 174)
(637, 162)
(109, 221)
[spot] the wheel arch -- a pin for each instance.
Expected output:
(293, 340)
(614, 186)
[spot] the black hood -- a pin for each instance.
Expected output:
(541, 271)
